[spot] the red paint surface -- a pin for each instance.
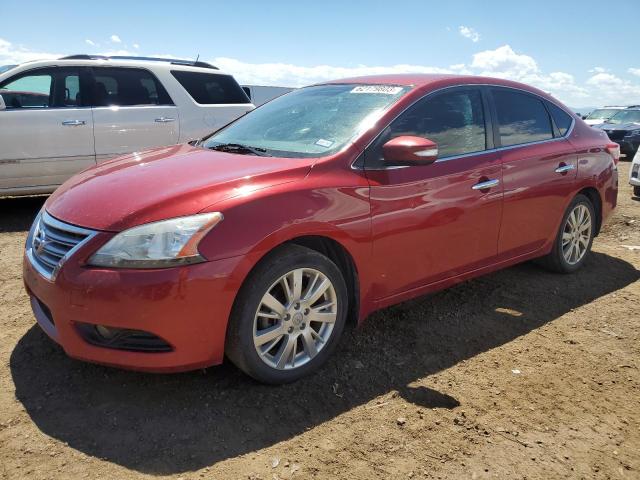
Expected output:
(408, 231)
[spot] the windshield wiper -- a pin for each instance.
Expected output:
(239, 148)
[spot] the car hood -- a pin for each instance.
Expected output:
(620, 126)
(165, 183)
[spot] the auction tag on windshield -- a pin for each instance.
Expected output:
(324, 143)
(386, 89)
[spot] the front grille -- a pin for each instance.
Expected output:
(51, 242)
(616, 134)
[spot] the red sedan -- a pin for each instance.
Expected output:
(261, 241)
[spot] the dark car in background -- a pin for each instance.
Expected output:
(624, 129)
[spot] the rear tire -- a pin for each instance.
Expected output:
(288, 316)
(636, 191)
(574, 238)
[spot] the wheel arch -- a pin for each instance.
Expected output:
(594, 197)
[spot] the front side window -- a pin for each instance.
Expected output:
(112, 86)
(454, 120)
(312, 121)
(211, 88)
(28, 91)
(522, 118)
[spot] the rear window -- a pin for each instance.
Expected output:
(561, 118)
(211, 88)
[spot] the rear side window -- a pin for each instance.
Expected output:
(127, 87)
(522, 118)
(211, 88)
(561, 118)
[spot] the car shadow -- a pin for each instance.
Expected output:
(17, 213)
(165, 424)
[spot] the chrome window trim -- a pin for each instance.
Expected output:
(479, 152)
(55, 223)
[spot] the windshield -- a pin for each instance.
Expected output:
(626, 116)
(310, 122)
(602, 113)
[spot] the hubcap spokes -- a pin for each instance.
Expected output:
(576, 234)
(295, 318)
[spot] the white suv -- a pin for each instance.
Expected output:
(58, 117)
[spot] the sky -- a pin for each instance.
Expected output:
(579, 51)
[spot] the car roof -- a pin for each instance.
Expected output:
(439, 80)
(120, 61)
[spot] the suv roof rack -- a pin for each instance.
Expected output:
(173, 61)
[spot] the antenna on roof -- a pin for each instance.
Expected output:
(197, 58)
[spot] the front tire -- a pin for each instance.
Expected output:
(575, 237)
(636, 191)
(288, 316)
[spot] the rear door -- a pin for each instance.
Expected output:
(132, 111)
(539, 169)
(46, 132)
(432, 222)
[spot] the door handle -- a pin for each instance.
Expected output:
(564, 168)
(485, 185)
(164, 119)
(73, 123)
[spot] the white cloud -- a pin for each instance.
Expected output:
(10, 53)
(136, 46)
(90, 42)
(115, 39)
(601, 88)
(614, 90)
(598, 70)
(469, 33)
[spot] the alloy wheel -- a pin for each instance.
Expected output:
(576, 234)
(295, 318)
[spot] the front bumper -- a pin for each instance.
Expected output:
(628, 147)
(634, 174)
(188, 307)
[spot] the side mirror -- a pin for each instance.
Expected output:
(410, 150)
(2, 104)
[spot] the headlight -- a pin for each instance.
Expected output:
(158, 244)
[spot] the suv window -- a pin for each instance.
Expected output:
(454, 120)
(561, 118)
(211, 88)
(127, 87)
(28, 91)
(522, 118)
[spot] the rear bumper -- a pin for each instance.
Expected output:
(188, 307)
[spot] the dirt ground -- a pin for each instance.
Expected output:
(519, 374)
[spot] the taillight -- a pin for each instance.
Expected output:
(614, 151)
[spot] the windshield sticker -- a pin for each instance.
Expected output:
(324, 143)
(386, 89)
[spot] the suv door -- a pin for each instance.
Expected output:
(132, 111)
(539, 169)
(47, 129)
(432, 222)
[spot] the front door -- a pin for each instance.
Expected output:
(132, 112)
(46, 130)
(436, 221)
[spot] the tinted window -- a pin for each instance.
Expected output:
(522, 118)
(211, 88)
(127, 87)
(71, 95)
(561, 118)
(454, 120)
(28, 91)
